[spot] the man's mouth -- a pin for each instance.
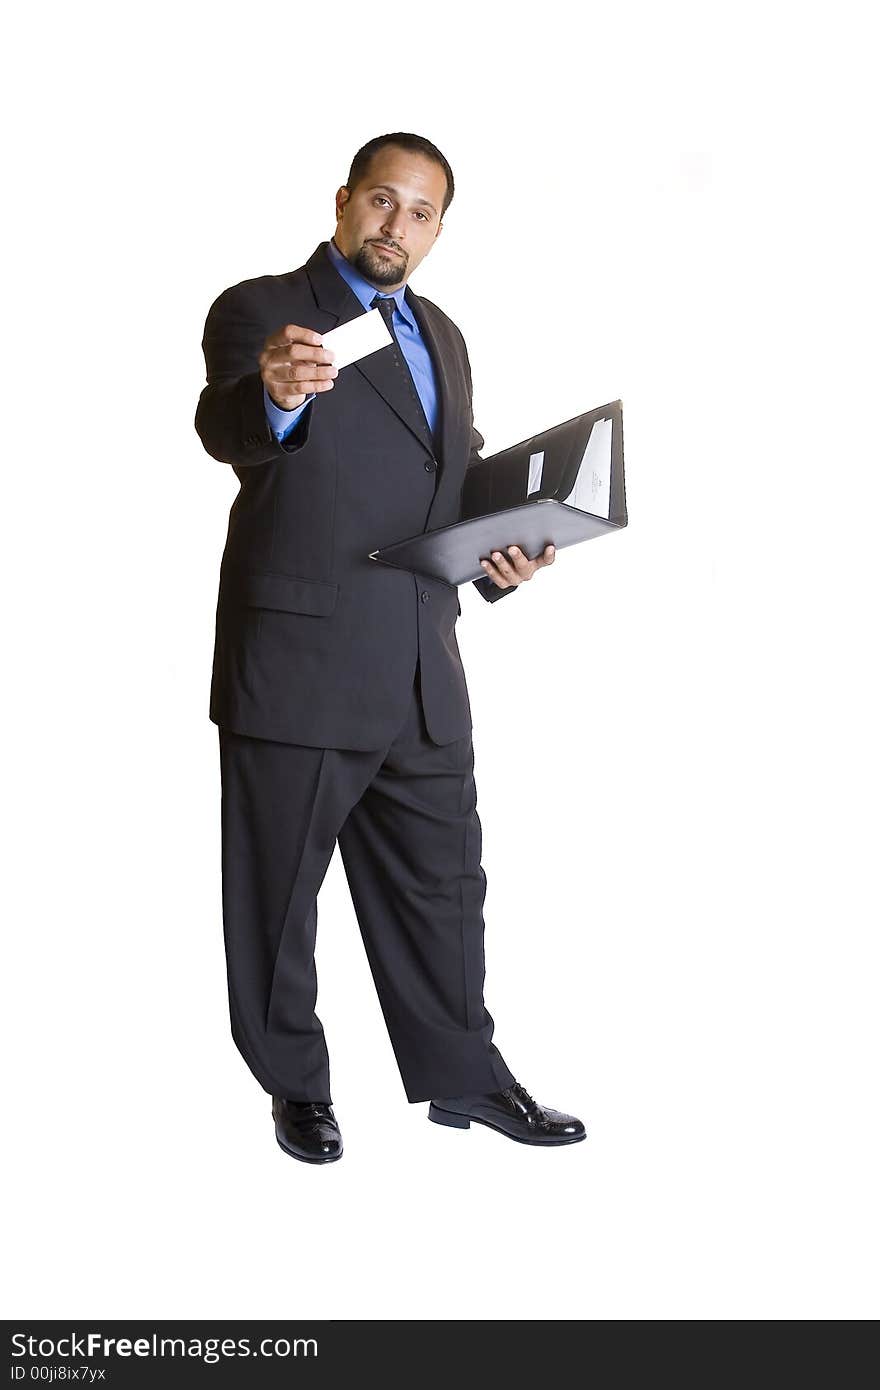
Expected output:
(388, 249)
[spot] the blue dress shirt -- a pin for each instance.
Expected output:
(412, 345)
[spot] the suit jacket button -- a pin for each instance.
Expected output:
(425, 596)
(429, 466)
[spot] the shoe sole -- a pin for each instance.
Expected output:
(454, 1121)
(327, 1158)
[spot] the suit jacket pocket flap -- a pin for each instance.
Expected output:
(290, 594)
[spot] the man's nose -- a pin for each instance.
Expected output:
(392, 227)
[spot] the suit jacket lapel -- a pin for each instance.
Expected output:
(454, 424)
(334, 297)
(332, 294)
(453, 433)
(382, 371)
(434, 334)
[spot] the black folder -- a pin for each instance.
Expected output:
(536, 493)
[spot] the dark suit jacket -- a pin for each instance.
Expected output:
(316, 643)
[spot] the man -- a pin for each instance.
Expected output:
(337, 684)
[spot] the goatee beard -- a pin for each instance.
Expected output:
(377, 269)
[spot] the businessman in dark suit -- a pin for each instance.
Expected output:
(337, 683)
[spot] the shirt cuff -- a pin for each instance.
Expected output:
(281, 422)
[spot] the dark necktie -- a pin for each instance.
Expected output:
(385, 305)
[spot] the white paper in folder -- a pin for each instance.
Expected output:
(592, 488)
(536, 472)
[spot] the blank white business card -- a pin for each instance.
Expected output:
(358, 338)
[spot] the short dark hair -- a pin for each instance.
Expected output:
(416, 144)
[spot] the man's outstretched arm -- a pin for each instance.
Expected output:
(243, 364)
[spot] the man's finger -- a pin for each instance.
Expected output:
(304, 352)
(295, 352)
(293, 333)
(504, 567)
(281, 385)
(524, 567)
(301, 371)
(518, 569)
(494, 574)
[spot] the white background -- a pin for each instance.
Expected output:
(675, 728)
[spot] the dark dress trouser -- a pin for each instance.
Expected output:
(410, 840)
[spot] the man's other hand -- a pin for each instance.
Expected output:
(506, 573)
(293, 365)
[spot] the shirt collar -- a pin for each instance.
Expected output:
(362, 288)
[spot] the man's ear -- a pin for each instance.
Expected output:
(342, 197)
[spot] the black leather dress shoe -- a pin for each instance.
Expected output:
(307, 1130)
(512, 1112)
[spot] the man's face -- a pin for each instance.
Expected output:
(388, 223)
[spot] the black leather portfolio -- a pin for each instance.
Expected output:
(559, 487)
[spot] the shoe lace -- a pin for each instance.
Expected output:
(319, 1109)
(523, 1094)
